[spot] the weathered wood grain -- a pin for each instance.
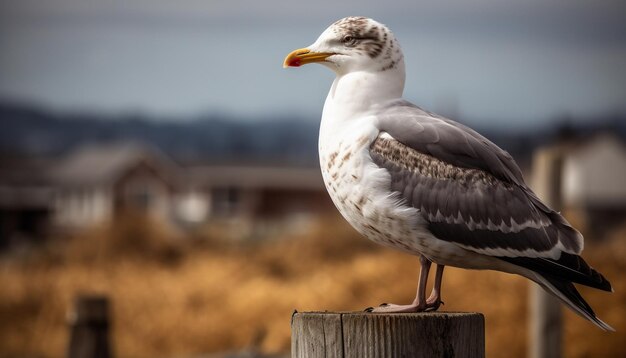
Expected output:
(365, 335)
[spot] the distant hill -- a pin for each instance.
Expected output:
(36, 131)
(39, 132)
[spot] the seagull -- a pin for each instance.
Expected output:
(412, 180)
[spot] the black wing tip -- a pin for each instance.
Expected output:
(604, 285)
(568, 293)
(605, 326)
(569, 267)
(596, 279)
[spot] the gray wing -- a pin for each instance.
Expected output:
(447, 140)
(469, 190)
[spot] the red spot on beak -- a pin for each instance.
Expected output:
(296, 62)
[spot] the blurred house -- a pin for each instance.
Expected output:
(259, 191)
(98, 183)
(25, 199)
(592, 179)
(252, 201)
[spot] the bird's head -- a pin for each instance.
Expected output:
(352, 44)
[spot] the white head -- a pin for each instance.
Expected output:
(352, 44)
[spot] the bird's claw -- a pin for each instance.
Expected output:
(384, 304)
(432, 306)
(368, 309)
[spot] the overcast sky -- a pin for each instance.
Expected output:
(487, 61)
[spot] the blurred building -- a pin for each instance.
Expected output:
(25, 199)
(259, 191)
(592, 179)
(98, 183)
(594, 182)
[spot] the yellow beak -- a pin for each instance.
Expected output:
(302, 56)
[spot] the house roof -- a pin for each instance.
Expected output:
(98, 164)
(24, 183)
(268, 177)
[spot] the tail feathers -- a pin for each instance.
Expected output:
(568, 267)
(567, 293)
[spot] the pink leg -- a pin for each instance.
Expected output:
(419, 303)
(434, 301)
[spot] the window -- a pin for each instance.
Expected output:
(225, 201)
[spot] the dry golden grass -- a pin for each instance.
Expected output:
(176, 299)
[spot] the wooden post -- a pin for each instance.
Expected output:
(546, 321)
(89, 325)
(368, 335)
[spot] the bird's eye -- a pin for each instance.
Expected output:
(349, 40)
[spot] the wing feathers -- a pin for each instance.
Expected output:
(566, 291)
(569, 267)
(471, 207)
(447, 140)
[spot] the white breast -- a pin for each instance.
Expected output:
(360, 190)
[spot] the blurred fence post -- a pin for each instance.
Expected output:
(546, 321)
(368, 335)
(89, 328)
